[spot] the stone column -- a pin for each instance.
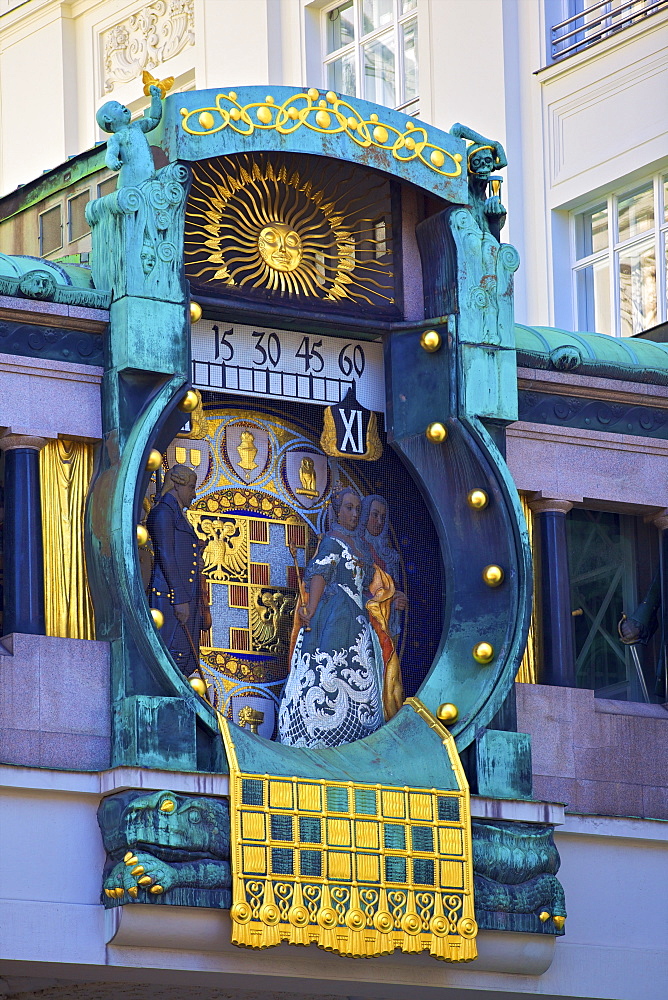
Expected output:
(553, 582)
(23, 550)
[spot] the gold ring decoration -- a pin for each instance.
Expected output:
(298, 916)
(327, 917)
(383, 921)
(411, 923)
(355, 919)
(439, 925)
(270, 914)
(467, 927)
(241, 913)
(330, 116)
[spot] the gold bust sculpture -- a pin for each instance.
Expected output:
(280, 246)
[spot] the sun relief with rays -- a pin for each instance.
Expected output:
(291, 227)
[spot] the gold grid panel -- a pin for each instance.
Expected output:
(358, 869)
(346, 832)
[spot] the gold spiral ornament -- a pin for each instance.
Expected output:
(285, 225)
(467, 927)
(270, 914)
(439, 925)
(241, 913)
(298, 916)
(355, 919)
(327, 917)
(411, 923)
(383, 921)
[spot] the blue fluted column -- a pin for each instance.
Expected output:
(23, 546)
(553, 580)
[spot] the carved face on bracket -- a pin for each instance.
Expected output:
(37, 285)
(481, 163)
(280, 247)
(147, 256)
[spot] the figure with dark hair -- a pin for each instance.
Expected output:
(344, 678)
(176, 587)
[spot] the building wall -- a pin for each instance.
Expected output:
(573, 129)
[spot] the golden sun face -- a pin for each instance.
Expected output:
(280, 247)
(284, 225)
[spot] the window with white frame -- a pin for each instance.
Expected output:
(621, 260)
(371, 51)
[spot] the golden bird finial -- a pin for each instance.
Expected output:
(150, 81)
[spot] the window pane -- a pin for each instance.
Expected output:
(50, 231)
(77, 219)
(636, 212)
(376, 14)
(593, 295)
(107, 186)
(591, 231)
(665, 198)
(341, 75)
(340, 26)
(637, 289)
(407, 5)
(599, 556)
(379, 70)
(409, 32)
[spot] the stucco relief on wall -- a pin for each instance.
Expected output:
(144, 40)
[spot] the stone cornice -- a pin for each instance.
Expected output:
(592, 387)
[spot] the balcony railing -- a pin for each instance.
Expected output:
(598, 21)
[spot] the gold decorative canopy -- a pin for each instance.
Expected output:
(287, 225)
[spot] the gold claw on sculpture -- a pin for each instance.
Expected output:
(133, 891)
(138, 870)
(146, 880)
(559, 922)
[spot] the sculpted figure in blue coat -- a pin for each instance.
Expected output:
(176, 582)
(344, 676)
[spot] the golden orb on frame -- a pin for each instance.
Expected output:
(493, 575)
(437, 433)
(477, 499)
(447, 712)
(263, 115)
(198, 685)
(437, 158)
(158, 617)
(195, 312)
(189, 402)
(142, 534)
(206, 119)
(154, 460)
(483, 652)
(430, 341)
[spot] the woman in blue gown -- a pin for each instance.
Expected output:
(334, 692)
